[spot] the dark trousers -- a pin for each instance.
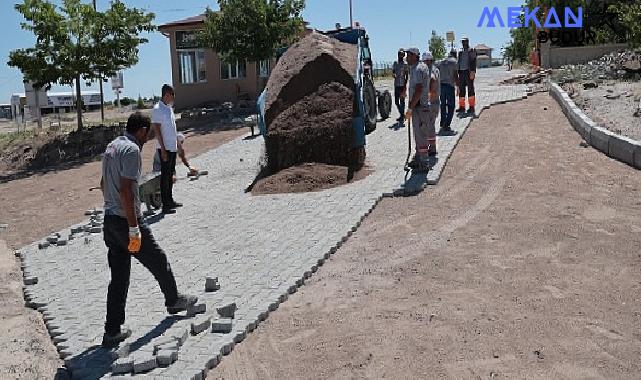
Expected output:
(399, 101)
(151, 256)
(167, 169)
(467, 84)
(448, 104)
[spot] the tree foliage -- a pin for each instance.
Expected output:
(437, 46)
(74, 42)
(252, 29)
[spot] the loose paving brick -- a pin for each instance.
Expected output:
(211, 284)
(165, 358)
(196, 309)
(144, 363)
(122, 366)
(252, 243)
(228, 310)
(221, 325)
(200, 324)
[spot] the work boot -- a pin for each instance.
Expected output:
(471, 111)
(168, 211)
(110, 341)
(176, 205)
(182, 303)
(460, 110)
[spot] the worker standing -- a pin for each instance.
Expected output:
(419, 111)
(164, 124)
(434, 100)
(400, 71)
(126, 234)
(467, 74)
(449, 82)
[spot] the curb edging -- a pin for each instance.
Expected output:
(618, 147)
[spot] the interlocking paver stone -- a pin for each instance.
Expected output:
(221, 325)
(260, 247)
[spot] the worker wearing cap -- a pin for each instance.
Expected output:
(419, 110)
(400, 71)
(434, 99)
(449, 82)
(467, 74)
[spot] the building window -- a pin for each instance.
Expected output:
(263, 69)
(191, 66)
(234, 70)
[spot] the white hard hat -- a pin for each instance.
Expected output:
(414, 51)
(180, 137)
(427, 56)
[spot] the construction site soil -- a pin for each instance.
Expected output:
(306, 178)
(317, 128)
(310, 104)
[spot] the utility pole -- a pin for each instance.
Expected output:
(351, 19)
(102, 95)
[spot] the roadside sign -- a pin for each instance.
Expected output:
(117, 82)
(450, 37)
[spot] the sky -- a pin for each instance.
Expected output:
(390, 25)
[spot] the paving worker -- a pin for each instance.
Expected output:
(467, 74)
(164, 124)
(419, 111)
(125, 233)
(400, 71)
(434, 100)
(180, 138)
(448, 69)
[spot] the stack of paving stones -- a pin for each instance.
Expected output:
(617, 65)
(256, 251)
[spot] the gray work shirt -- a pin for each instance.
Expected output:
(121, 160)
(420, 74)
(400, 70)
(435, 75)
(448, 68)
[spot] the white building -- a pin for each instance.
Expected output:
(56, 102)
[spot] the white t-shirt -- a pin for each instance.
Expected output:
(164, 115)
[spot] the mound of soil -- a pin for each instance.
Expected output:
(313, 61)
(318, 128)
(306, 178)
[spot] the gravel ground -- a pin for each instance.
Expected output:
(614, 114)
(522, 262)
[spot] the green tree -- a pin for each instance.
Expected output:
(437, 46)
(252, 29)
(140, 104)
(74, 42)
(630, 15)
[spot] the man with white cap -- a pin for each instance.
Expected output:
(419, 110)
(434, 99)
(467, 74)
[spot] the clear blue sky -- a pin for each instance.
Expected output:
(390, 24)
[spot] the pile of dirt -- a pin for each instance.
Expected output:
(50, 150)
(306, 178)
(310, 104)
(318, 128)
(527, 78)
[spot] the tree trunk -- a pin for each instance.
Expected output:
(78, 102)
(102, 102)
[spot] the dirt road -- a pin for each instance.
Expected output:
(36, 206)
(523, 262)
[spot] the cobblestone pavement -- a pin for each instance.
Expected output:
(261, 248)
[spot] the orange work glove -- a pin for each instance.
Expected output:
(408, 114)
(472, 75)
(135, 240)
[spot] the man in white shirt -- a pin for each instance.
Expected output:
(164, 124)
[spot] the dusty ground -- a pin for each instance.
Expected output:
(616, 112)
(36, 206)
(522, 263)
(26, 352)
(306, 178)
